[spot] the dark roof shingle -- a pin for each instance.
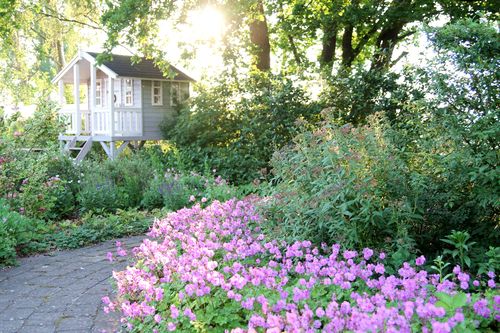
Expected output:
(145, 68)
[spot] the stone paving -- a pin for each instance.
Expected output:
(60, 291)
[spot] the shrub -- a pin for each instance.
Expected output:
(39, 185)
(175, 190)
(93, 228)
(211, 270)
(342, 184)
(236, 125)
(16, 231)
(114, 184)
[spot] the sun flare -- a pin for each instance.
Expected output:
(207, 23)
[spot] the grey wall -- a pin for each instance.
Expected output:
(153, 115)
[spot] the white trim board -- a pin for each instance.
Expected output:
(79, 56)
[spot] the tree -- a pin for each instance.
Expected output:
(351, 32)
(136, 23)
(37, 39)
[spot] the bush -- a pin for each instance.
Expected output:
(431, 169)
(93, 228)
(114, 184)
(211, 270)
(235, 126)
(175, 190)
(16, 231)
(342, 184)
(39, 185)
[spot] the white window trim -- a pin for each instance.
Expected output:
(131, 91)
(160, 95)
(98, 83)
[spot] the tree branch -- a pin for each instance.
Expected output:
(65, 19)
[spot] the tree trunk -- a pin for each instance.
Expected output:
(327, 56)
(259, 36)
(385, 44)
(347, 50)
(61, 59)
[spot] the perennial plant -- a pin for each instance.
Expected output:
(211, 269)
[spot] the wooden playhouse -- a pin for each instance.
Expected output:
(121, 102)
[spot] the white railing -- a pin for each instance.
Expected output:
(68, 115)
(128, 122)
(101, 122)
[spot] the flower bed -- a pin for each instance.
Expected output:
(212, 270)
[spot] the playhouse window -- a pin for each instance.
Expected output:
(157, 93)
(98, 93)
(179, 92)
(174, 93)
(129, 92)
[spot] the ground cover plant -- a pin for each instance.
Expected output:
(212, 270)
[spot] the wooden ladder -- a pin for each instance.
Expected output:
(82, 150)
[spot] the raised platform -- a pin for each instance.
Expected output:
(108, 138)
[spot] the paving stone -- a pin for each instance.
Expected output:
(75, 323)
(61, 291)
(15, 314)
(37, 329)
(30, 302)
(9, 326)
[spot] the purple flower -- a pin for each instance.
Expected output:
(367, 253)
(188, 313)
(481, 308)
(420, 261)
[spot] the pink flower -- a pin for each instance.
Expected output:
(203, 199)
(121, 252)
(109, 256)
(420, 261)
(192, 198)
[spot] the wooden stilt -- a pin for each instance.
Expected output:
(106, 149)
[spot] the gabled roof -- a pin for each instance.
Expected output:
(123, 66)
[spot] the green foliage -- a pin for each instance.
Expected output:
(16, 231)
(175, 190)
(491, 261)
(34, 177)
(235, 126)
(36, 39)
(440, 268)
(93, 228)
(116, 184)
(345, 185)
(461, 246)
(451, 303)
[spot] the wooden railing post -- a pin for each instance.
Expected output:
(92, 97)
(76, 82)
(111, 106)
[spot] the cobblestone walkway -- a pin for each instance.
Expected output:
(60, 291)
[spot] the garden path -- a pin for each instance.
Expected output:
(60, 291)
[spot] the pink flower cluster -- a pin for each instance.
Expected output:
(195, 255)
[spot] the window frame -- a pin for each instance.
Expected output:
(98, 89)
(160, 95)
(127, 91)
(177, 87)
